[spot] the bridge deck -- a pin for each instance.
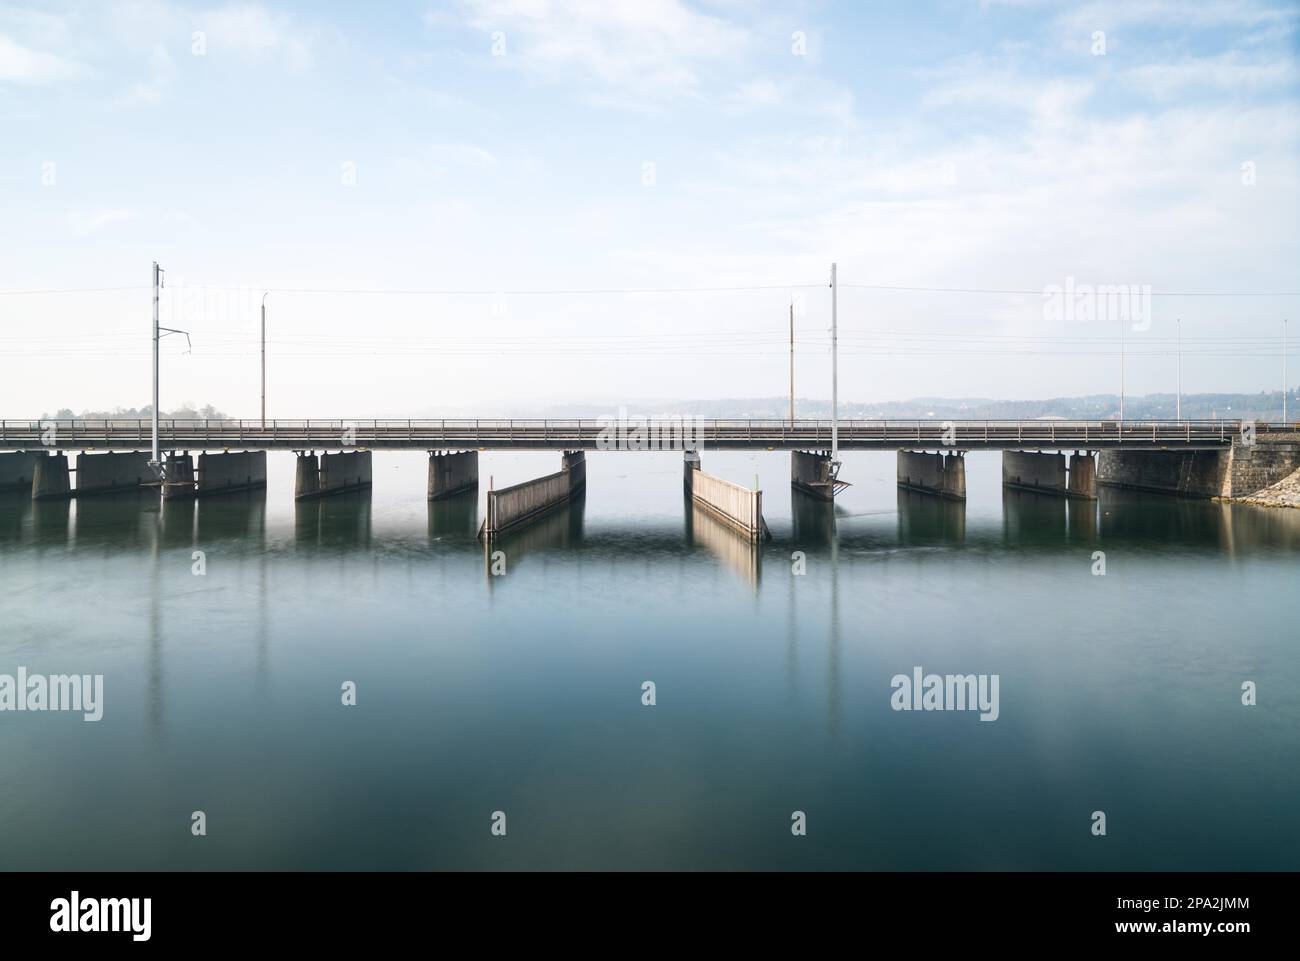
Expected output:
(603, 434)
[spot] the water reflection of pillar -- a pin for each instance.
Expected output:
(1029, 518)
(812, 519)
(1226, 538)
(454, 516)
(1081, 519)
(336, 523)
(52, 522)
(155, 693)
(791, 642)
(15, 510)
(833, 657)
(926, 519)
(179, 515)
(263, 639)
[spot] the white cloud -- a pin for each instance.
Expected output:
(450, 155)
(251, 31)
(1226, 72)
(635, 50)
(162, 71)
(26, 67)
(1177, 14)
(755, 94)
(85, 222)
(978, 82)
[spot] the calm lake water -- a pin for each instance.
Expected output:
(522, 693)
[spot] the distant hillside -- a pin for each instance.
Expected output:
(1261, 406)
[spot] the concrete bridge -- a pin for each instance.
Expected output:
(660, 433)
(1057, 458)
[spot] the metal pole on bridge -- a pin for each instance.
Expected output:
(835, 376)
(155, 462)
(264, 296)
(1178, 401)
(1283, 371)
(1123, 321)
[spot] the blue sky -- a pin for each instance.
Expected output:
(523, 145)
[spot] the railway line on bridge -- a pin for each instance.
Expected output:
(632, 434)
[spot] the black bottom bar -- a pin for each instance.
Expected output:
(980, 912)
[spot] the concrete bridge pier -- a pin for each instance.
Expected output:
(1051, 473)
(1083, 475)
(690, 463)
(179, 470)
(452, 473)
(113, 472)
(813, 473)
(306, 478)
(575, 463)
(50, 478)
(511, 508)
(17, 469)
(227, 472)
(941, 474)
(331, 473)
(1034, 471)
(96, 474)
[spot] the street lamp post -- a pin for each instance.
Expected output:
(264, 296)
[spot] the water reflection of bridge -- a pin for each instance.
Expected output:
(131, 520)
(841, 549)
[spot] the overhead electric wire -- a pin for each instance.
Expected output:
(576, 291)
